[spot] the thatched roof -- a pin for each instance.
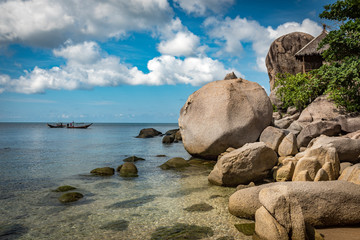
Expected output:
(311, 49)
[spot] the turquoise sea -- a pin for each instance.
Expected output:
(35, 159)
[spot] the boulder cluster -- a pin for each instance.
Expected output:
(305, 165)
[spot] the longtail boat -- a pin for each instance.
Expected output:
(56, 125)
(78, 125)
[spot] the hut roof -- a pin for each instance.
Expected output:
(311, 48)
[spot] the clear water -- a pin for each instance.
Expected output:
(34, 160)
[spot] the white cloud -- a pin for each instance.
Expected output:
(233, 33)
(201, 7)
(50, 22)
(101, 69)
(183, 44)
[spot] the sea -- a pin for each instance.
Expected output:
(158, 204)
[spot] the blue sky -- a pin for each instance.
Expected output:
(133, 61)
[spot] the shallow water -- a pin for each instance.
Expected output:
(34, 160)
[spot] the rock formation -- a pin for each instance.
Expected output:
(326, 203)
(222, 114)
(252, 162)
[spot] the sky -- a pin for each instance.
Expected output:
(133, 60)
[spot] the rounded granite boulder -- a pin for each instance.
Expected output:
(223, 114)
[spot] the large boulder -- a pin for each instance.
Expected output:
(322, 108)
(252, 162)
(222, 114)
(327, 203)
(284, 212)
(348, 149)
(315, 129)
(281, 55)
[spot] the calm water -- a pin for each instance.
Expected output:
(34, 160)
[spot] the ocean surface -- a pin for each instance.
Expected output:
(35, 160)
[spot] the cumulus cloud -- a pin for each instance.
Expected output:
(95, 68)
(201, 7)
(177, 40)
(231, 34)
(50, 22)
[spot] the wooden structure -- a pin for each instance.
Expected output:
(310, 55)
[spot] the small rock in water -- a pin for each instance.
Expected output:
(246, 228)
(12, 231)
(133, 159)
(127, 169)
(200, 207)
(160, 155)
(105, 171)
(175, 163)
(118, 225)
(64, 188)
(182, 231)
(70, 197)
(148, 133)
(168, 139)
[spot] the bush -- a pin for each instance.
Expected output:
(298, 90)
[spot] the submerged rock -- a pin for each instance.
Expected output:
(70, 197)
(148, 133)
(133, 159)
(64, 188)
(200, 207)
(128, 169)
(118, 225)
(247, 229)
(105, 171)
(182, 231)
(174, 163)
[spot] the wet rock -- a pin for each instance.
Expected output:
(247, 229)
(70, 197)
(148, 133)
(64, 188)
(201, 162)
(178, 136)
(200, 207)
(167, 139)
(174, 163)
(118, 225)
(127, 169)
(105, 171)
(172, 132)
(133, 159)
(182, 231)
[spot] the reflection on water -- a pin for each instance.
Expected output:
(35, 160)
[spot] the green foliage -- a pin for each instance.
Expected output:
(340, 76)
(298, 90)
(343, 82)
